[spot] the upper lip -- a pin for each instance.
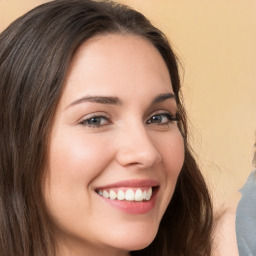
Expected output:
(131, 184)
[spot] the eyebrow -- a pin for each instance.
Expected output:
(163, 97)
(109, 100)
(98, 99)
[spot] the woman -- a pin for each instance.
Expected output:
(94, 151)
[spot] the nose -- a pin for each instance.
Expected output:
(137, 148)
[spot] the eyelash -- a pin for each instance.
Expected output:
(86, 122)
(170, 118)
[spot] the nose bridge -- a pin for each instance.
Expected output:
(137, 147)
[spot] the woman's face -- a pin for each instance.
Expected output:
(115, 150)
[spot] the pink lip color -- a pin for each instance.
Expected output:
(133, 207)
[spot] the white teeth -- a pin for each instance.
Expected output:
(105, 194)
(149, 194)
(129, 195)
(144, 194)
(120, 195)
(137, 195)
(112, 195)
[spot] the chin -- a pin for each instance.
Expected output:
(134, 241)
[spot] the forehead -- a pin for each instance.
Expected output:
(118, 43)
(114, 63)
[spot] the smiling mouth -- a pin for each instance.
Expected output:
(128, 194)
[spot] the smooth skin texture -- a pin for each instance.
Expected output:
(129, 136)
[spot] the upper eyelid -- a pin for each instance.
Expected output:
(164, 114)
(162, 111)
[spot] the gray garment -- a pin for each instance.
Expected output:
(246, 218)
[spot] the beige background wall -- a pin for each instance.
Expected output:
(216, 42)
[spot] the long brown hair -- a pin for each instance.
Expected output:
(35, 52)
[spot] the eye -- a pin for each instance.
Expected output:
(162, 119)
(95, 121)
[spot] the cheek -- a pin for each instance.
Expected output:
(172, 153)
(76, 159)
(73, 166)
(176, 155)
(171, 148)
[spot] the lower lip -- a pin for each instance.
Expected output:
(133, 207)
